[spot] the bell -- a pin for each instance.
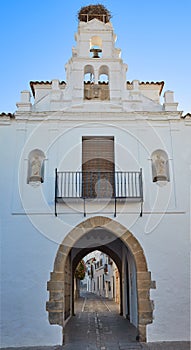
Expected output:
(95, 52)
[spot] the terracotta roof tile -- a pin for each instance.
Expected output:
(161, 83)
(187, 115)
(10, 115)
(33, 83)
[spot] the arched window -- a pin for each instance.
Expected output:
(103, 81)
(160, 166)
(36, 166)
(96, 47)
(103, 76)
(89, 76)
(89, 79)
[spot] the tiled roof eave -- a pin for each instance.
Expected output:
(160, 83)
(36, 82)
(7, 115)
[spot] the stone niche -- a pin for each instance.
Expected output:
(98, 91)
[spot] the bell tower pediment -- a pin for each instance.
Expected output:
(95, 24)
(96, 71)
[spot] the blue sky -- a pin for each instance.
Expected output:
(37, 37)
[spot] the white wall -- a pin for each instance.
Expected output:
(30, 242)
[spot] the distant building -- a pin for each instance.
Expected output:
(95, 163)
(102, 276)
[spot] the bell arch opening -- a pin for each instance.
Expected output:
(86, 237)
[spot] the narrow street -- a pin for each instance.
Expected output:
(97, 325)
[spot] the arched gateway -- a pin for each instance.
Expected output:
(72, 249)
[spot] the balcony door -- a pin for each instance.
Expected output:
(98, 166)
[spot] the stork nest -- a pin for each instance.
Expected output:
(99, 11)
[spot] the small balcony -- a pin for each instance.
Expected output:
(98, 185)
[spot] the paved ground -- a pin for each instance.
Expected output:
(98, 326)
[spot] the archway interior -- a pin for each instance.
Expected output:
(97, 274)
(100, 239)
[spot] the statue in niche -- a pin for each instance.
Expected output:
(160, 172)
(35, 169)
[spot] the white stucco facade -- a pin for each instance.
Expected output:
(140, 122)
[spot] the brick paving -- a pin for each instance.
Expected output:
(98, 326)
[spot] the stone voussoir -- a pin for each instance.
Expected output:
(86, 225)
(143, 275)
(59, 261)
(57, 276)
(140, 261)
(99, 221)
(133, 244)
(117, 229)
(76, 233)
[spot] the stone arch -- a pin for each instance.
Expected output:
(58, 281)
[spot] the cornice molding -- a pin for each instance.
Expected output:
(94, 116)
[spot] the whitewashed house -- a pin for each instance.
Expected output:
(102, 276)
(96, 162)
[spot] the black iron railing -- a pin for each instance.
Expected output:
(98, 185)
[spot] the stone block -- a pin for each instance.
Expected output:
(56, 296)
(59, 261)
(54, 306)
(144, 294)
(153, 284)
(76, 233)
(57, 276)
(55, 285)
(145, 318)
(116, 228)
(144, 305)
(144, 275)
(125, 236)
(142, 333)
(56, 318)
(133, 244)
(140, 261)
(143, 284)
(69, 241)
(86, 225)
(99, 221)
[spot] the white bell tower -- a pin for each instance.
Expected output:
(95, 71)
